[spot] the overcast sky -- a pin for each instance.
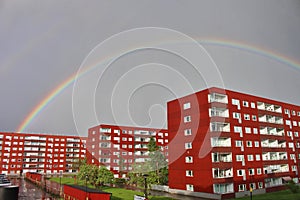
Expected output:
(42, 43)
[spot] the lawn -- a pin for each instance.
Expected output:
(117, 193)
(281, 195)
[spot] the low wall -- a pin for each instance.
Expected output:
(163, 188)
(195, 194)
(247, 193)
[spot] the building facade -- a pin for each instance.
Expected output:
(119, 147)
(233, 141)
(43, 153)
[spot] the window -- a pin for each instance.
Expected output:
(245, 104)
(240, 172)
(257, 157)
(188, 145)
(294, 123)
(117, 131)
(255, 131)
(238, 143)
(189, 173)
(247, 129)
(236, 115)
(187, 132)
(298, 113)
(189, 187)
(189, 159)
(256, 143)
(292, 156)
(286, 111)
(235, 102)
(258, 171)
(242, 187)
(252, 105)
(250, 157)
(251, 171)
(239, 157)
(252, 185)
(296, 134)
(249, 143)
(254, 118)
(260, 185)
(186, 106)
(237, 129)
(187, 119)
(246, 116)
(293, 113)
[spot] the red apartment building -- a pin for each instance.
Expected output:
(26, 152)
(222, 143)
(119, 147)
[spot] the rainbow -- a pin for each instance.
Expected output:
(210, 41)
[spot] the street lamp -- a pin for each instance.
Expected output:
(60, 190)
(145, 190)
(251, 184)
(86, 178)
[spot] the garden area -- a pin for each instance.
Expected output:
(117, 193)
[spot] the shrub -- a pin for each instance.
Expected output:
(292, 186)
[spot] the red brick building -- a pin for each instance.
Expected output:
(119, 147)
(27, 152)
(223, 143)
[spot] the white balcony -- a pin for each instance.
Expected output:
(269, 169)
(218, 112)
(270, 119)
(271, 182)
(221, 157)
(265, 130)
(269, 107)
(269, 143)
(220, 142)
(220, 98)
(219, 127)
(222, 173)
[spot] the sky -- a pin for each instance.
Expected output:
(66, 66)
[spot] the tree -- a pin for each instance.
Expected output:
(105, 176)
(158, 163)
(77, 163)
(95, 175)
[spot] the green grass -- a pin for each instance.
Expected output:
(281, 195)
(117, 193)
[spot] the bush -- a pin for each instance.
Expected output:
(120, 182)
(292, 186)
